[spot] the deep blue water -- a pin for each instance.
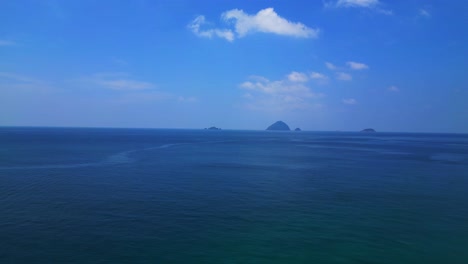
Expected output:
(76, 195)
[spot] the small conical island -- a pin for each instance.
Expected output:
(368, 130)
(279, 126)
(297, 129)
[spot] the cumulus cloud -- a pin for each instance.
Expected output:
(277, 95)
(342, 76)
(195, 25)
(356, 65)
(393, 88)
(297, 77)
(349, 101)
(265, 21)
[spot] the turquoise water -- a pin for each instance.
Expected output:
(194, 196)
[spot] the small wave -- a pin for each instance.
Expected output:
(394, 153)
(51, 166)
(164, 146)
(450, 157)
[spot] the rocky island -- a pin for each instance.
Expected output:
(297, 129)
(279, 126)
(213, 128)
(368, 130)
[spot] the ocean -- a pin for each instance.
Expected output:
(92, 195)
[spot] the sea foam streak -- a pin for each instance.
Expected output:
(117, 158)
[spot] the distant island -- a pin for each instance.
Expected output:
(279, 126)
(213, 128)
(368, 130)
(297, 129)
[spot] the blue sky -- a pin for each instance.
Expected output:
(319, 65)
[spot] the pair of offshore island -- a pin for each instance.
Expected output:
(282, 126)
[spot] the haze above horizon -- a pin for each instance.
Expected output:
(318, 65)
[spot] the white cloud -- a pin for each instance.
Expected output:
(297, 77)
(7, 43)
(17, 77)
(20, 83)
(424, 13)
(393, 88)
(370, 4)
(349, 101)
(117, 81)
(194, 26)
(277, 95)
(248, 96)
(265, 21)
(344, 76)
(385, 11)
(357, 3)
(330, 66)
(139, 97)
(319, 77)
(125, 84)
(357, 66)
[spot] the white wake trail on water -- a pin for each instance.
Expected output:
(116, 158)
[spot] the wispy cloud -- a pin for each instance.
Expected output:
(297, 77)
(117, 81)
(357, 3)
(14, 81)
(125, 84)
(393, 88)
(277, 95)
(139, 97)
(424, 13)
(330, 66)
(342, 76)
(195, 25)
(368, 4)
(319, 78)
(17, 77)
(357, 65)
(349, 101)
(265, 21)
(7, 43)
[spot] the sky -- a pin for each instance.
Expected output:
(396, 66)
